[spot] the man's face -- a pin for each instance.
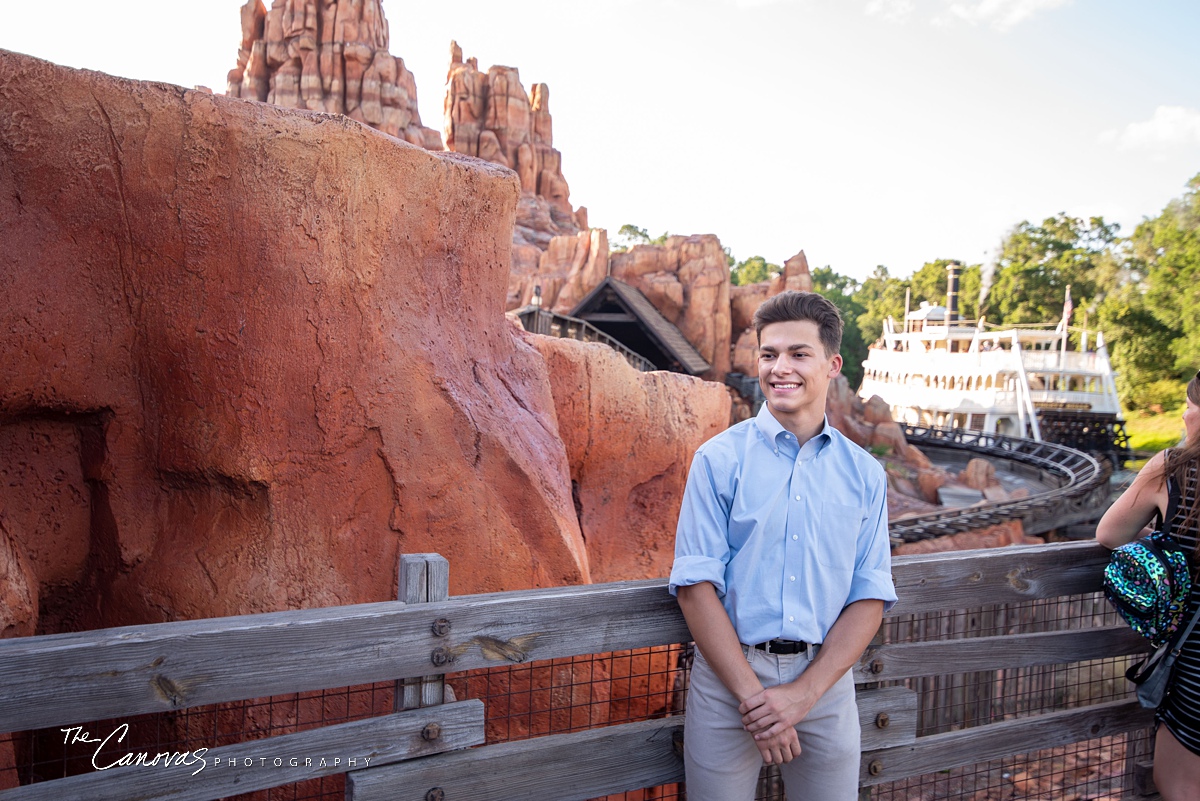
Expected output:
(793, 370)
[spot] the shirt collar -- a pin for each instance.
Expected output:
(772, 428)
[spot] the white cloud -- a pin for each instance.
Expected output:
(999, 14)
(1169, 126)
(891, 10)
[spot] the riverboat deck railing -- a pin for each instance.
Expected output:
(997, 667)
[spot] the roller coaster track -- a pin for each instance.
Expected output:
(1081, 485)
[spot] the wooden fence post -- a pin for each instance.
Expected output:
(423, 578)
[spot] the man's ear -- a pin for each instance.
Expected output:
(835, 365)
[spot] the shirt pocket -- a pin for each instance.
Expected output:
(837, 539)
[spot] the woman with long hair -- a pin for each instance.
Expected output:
(1174, 472)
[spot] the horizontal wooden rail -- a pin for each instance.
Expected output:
(965, 579)
(206, 774)
(908, 660)
(64, 679)
(69, 678)
(564, 767)
(954, 749)
(887, 717)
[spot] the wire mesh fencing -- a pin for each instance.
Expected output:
(578, 693)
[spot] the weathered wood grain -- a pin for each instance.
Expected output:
(69, 678)
(996, 740)
(222, 772)
(64, 679)
(422, 578)
(565, 767)
(907, 660)
(963, 579)
(898, 727)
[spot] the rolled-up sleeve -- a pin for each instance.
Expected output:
(873, 562)
(701, 541)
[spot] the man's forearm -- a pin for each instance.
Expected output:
(777, 709)
(716, 638)
(714, 635)
(844, 645)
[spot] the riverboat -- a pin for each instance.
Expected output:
(1051, 383)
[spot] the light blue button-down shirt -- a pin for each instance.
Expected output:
(788, 535)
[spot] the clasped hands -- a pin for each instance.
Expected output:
(771, 716)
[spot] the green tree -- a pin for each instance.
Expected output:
(1167, 249)
(929, 283)
(630, 235)
(840, 290)
(880, 296)
(1038, 262)
(1134, 337)
(753, 270)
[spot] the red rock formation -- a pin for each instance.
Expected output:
(18, 586)
(687, 279)
(1010, 533)
(745, 353)
(912, 479)
(978, 474)
(745, 301)
(268, 398)
(630, 438)
(569, 268)
(795, 275)
(328, 55)
(846, 412)
(490, 116)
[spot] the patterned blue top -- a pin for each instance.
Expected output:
(788, 535)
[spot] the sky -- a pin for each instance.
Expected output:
(865, 132)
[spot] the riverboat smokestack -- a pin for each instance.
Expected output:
(952, 271)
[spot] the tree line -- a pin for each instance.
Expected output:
(1142, 291)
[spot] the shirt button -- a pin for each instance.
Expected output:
(791, 620)
(793, 578)
(797, 497)
(776, 453)
(795, 537)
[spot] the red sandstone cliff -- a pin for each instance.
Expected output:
(249, 355)
(687, 279)
(332, 55)
(491, 116)
(630, 438)
(326, 55)
(223, 393)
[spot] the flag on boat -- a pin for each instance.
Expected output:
(1068, 307)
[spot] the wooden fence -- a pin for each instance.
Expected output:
(425, 753)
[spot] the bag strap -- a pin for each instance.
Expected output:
(1173, 493)
(1181, 636)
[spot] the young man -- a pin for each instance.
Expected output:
(782, 570)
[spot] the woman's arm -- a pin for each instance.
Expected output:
(1136, 507)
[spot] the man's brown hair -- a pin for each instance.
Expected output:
(792, 306)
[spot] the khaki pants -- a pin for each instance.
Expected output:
(720, 757)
